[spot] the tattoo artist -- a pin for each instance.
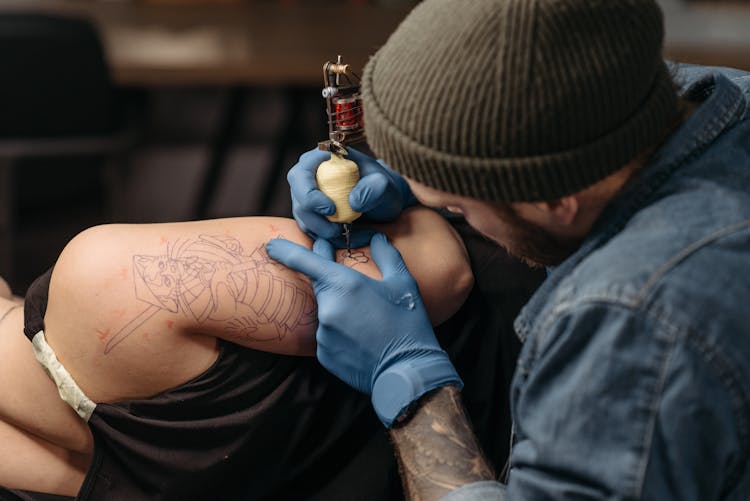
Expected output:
(559, 132)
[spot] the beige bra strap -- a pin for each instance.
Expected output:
(68, 389)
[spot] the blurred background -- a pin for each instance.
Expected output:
(168, 110)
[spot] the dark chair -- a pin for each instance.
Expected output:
(56, 100)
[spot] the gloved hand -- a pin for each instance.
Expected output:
(381, 194)
(375, 335)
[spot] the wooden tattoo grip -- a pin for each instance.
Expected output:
(336, 178)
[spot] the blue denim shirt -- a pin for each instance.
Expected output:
(634, 378)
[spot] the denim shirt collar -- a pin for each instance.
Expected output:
(723, 105)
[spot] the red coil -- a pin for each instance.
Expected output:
(348, 113)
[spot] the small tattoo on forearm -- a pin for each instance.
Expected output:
(437, 449)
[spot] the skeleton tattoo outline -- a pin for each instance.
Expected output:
(212, 278)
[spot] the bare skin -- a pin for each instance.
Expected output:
(121, 322)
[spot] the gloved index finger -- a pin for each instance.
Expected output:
(355, 155)
(367, 164)
(299, 258)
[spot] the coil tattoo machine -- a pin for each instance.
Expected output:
(336, 177)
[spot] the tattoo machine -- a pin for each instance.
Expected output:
(336, 177)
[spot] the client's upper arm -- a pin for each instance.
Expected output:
(120, 293)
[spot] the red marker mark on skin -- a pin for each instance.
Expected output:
(102, 334)
(273, 228)
(124, 273)
(146, 335)
(163, 240)
(170, 323)
(119, 312)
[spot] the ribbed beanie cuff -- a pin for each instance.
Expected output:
(518, 100)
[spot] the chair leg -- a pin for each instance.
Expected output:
(7, 206)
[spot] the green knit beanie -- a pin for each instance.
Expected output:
(518, 100)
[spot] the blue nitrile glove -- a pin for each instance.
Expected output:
(381, 194)
(375, 335)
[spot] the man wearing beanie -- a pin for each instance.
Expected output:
(556, 129)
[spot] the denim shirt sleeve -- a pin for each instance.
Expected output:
(618, 403)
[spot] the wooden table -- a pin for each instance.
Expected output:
(256, 43)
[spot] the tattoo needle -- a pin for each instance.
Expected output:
(347, 236)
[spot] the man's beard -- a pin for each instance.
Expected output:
(532, 244)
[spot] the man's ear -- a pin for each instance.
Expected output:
(563, 211)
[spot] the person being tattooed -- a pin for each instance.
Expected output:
(152, 361)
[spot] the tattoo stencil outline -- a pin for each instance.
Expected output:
(212, 278)
(352, 259)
